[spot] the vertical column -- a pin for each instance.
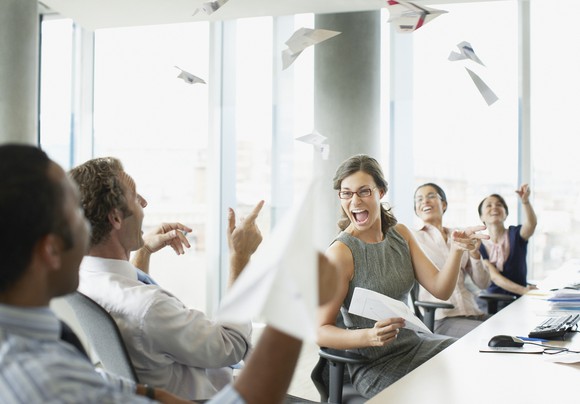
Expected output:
(346, 101)
(19, 71)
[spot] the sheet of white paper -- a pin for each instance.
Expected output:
(564, 357)
(409, 17)
(376, 306)
(280, 284)
(487, 93)
(188, 77)
(466, 52)
(300, 40)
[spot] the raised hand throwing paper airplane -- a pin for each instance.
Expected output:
(409, 17)
(300, 40)
(188, 77)
(466, 52)
(280, 284)
(318, 142)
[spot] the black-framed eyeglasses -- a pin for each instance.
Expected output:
(361, 193)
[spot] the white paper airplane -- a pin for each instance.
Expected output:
(466, 52)
(280, 284)
(300, 40)
(487, 93)
(318, 142)
(188, 77)
(210, 7)
(409, 17)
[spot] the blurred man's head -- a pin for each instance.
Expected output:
(43, 232)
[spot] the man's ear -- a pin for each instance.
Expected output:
(50, 249)
(115, 218)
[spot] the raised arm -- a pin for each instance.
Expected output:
(440, 282)
(331, 336)
(243, 240)
(530, 219)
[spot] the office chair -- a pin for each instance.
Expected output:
(428, 314)
(329, 376)
(103, 334)
(492, 300)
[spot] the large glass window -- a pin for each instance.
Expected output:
(555, 164)
(157, 124)
(56, 89)
(467, 147)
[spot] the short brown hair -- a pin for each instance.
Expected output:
(102, 190)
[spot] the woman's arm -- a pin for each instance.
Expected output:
(530, 219)
(331, 336)
(504, 282)
(440, 282)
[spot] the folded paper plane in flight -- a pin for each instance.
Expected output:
(300, 40)
(409, 17)
(210, 7)
(318, 142)
(465, 52)
(188, 77)
(280, 284)
(486, 92)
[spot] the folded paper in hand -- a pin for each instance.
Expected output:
(376, 306)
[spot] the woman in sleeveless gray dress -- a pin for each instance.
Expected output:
(376, 253)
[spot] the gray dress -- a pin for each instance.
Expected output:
(386, 268)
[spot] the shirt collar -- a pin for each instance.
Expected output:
(117, 267)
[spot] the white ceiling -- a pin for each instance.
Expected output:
(95, 14)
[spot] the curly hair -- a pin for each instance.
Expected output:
(366, 164)
(102, 190)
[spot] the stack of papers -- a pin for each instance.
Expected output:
(565, 299)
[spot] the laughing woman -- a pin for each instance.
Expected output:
(373, 251)
(435, 239)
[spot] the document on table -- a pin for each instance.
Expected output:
(376, 306)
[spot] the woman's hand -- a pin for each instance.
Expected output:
(524, 193)
(385, 331)
(468, 239)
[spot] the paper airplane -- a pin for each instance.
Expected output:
(466, 52)
(280, 284)
(300, 40)
(409, 17)
(210, 7)
(488, 95)
(318, 142)
(188, 77)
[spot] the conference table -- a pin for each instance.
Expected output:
(461, 374)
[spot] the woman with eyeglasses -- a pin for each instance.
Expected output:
(505, 252)
(375, 252)
(436, 241)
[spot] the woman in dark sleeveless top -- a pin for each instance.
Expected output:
(376, 253)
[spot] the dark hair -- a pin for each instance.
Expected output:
(438, 189)
(501, 200)
(366, 164)
(102, 190)
(31, 207)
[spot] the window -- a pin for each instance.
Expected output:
(157, 125)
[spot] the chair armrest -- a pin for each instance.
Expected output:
(342, 356)
(433, 305)
(502, 297)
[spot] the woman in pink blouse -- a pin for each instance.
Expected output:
(430, 205)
